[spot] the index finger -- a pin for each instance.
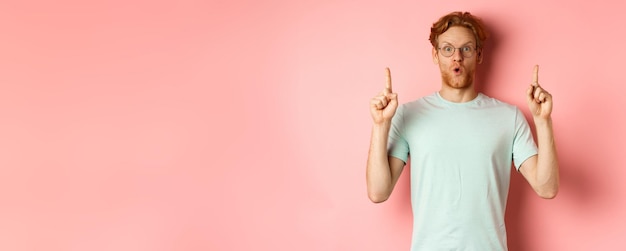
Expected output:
(536, 75)
(388, 85)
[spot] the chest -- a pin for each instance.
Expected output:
(466, 132)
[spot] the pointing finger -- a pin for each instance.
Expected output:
(388, 85)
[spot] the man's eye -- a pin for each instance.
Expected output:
(447, 48)
(467, 49)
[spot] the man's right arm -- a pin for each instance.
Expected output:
(383, 170)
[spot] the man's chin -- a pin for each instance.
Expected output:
(459, 87)
(459, 84)
(461, 81)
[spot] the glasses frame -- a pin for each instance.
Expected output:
(474, 49)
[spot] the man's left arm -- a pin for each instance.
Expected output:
(542, 170)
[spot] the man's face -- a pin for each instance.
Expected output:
(457, 71)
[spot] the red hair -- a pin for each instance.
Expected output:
(463, 19)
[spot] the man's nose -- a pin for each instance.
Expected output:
(457, 55)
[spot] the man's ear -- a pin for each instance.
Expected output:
(479, 55)
(435, 56)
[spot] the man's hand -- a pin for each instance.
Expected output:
(383, 106)
(538, 99)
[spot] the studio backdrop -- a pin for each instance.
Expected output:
(244, 125)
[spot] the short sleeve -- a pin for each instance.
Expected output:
(524, 145)
(397, 146)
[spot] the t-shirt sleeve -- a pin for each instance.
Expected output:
(524, 145)
(397, 146)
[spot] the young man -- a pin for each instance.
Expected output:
(461, 144)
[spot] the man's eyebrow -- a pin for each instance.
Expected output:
(465, 44)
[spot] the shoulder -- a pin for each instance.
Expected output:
(490, 102)
(421, 103)
(500, 109)
(417, 107)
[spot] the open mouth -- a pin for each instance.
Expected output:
(457, 69)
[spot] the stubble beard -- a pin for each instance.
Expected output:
(464, 81)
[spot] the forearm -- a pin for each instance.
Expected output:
(547, 172)
(378, 173)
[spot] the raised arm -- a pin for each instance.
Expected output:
(542, 170)
(382, 171)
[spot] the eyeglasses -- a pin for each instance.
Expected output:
(449, 50)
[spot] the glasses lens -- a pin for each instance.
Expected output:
(447, 50)
(467, 51)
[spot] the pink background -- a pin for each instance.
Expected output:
(240, 125)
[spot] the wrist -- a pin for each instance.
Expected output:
(382, 126)
(539, 121)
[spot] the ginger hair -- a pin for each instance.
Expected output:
(462, 19)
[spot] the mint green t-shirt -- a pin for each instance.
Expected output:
(461, 156)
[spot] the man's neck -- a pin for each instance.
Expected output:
(458, 95)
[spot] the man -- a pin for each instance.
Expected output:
(461, 144)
